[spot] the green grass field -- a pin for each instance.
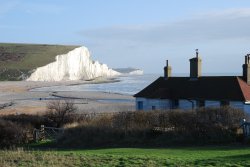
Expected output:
(190, 156)
(16, 59)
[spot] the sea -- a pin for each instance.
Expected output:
(128, 85)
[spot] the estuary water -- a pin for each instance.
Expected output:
(128, 85)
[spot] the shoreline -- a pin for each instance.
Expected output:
(71, 83)
(26, 101)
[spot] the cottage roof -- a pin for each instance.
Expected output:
(231, 88)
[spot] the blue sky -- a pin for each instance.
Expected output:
(137, 33)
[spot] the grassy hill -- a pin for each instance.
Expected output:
(18, 60)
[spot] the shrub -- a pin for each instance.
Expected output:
(218, 124)
(34, 121)
(59, 111)
(11, 134)
(155, 128)
(158, 128)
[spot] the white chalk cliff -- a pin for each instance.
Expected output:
(136, 72)
(129, 71)
(75, 65)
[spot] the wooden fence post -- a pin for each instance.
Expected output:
(36, 135)
(42, 132)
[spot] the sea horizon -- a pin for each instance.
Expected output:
(128, 84)
(203, 74)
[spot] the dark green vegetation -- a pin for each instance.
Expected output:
(156, 129)
(129, 129)
(157, 138)
(182, 156)
(17, 60)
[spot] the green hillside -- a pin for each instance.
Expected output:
(228, 156)
(18, 60)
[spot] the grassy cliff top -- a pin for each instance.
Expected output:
(17, 59)
(29, 56)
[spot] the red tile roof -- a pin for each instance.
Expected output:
(231, 88)
(245, 88)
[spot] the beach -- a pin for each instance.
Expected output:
(18, 97)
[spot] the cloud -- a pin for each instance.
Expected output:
(226, 25)
(222, 36)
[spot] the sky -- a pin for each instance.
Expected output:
(137, 33)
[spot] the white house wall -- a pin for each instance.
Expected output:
(237, 104)
(209, 103)
(165, 104)
(240, 105)
(247, 108)
(186, 104)
(148, 103)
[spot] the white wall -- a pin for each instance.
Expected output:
(148, 103)
(247, 108)
(187, 104)
(237, 104)
(209, 103)
(165, 104)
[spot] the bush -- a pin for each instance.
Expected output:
(34, 121)
(158, 128)
(59, 111)
(155, 128)
(11, 134)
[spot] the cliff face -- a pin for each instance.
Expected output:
(136, 72)
(129, 71)
(75, 65)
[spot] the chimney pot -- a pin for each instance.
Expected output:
(195, 66)
(197, 53)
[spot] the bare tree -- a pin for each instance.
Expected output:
(59, 110)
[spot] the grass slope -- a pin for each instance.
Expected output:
(19, 59)
(193, 156)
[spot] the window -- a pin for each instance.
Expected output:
(175, 104)
(140, 105)
(224, 103)
(153, 107)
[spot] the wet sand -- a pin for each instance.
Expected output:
(33, 102)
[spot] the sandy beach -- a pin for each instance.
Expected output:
(20, 98)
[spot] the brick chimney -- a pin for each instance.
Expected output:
(246, 69)
(167, 71)
(195, 66)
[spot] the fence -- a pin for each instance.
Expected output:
(45, 133)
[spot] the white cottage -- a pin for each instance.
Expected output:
(196, 91)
